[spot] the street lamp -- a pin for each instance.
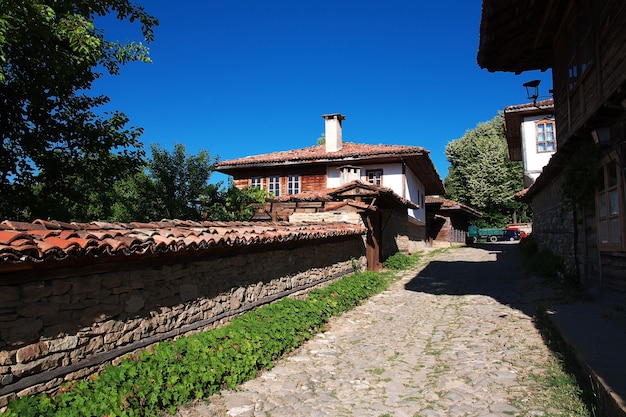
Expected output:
(532, 90)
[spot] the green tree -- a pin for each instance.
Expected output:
(482, 176)
(169, 188)
(59, 158)
(232, 204)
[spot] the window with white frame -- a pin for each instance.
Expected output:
(293, 184)
(255, 182)
(274, 185)
(546, 137)
(374, 176)
(610, 207)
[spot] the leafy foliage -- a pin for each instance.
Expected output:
(168, 188)
(172, 373)
(232, 204)
(59, 158)
(399, 261)
(482, 176)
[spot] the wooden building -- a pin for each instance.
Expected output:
(407, 171)
(382, 212)
(448, 221)
(578, 201)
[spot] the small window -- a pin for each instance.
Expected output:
(293, 184)
(546, 136)
(274, 185)
(255, 182)
(375, 176)
(609, 207)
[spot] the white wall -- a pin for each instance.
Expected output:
(392, 178)
(415, 193)
(532, 160)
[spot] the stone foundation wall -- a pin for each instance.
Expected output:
(553, 223)
(66, 327)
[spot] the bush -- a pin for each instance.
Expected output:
(172, 373)
(399, 261)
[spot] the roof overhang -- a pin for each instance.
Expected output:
(517, 35)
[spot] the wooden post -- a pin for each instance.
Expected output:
(373, 239)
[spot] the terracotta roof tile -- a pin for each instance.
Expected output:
(446, 204)
(318, 153)
(41, 241)
(539, 105)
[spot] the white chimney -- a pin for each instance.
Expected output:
(333, 131)
(349, 173)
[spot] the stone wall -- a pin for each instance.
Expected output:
(553, 223)
(65, 327)
(400, 232)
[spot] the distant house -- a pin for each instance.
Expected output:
(448, 221)
(406, 171)
(580, 217)
(378, 209)
(531, 136)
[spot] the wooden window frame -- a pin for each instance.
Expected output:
(604, 206)
(273, 185)
(545, 122)
(253, 180)
(293, 184)
(374, 180)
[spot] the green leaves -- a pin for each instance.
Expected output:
(481, 174)
(59, 157)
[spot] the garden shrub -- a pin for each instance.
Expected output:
(399, 261)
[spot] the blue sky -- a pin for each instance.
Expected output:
(244, 77)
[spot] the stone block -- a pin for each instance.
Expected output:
(94, 344)
(7, 357)
(83, 285)
(39, 365)
(60, 286)
(63, 344)
(6, 379)
(31, 352)
(100, 313)
(9, 294)
(111, 338)
(62, 299)
(134, 303)
(112, 281)
(24, 331)
(8, 315)
(188, 292)
(35, 291)
(40, 309)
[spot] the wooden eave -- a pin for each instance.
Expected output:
(517, 35)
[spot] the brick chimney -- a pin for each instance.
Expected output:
(333, 131)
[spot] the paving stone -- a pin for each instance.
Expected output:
(455, 338)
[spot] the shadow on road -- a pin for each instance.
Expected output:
(491, 269)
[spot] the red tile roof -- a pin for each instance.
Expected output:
(37, 242)
(546, 105)
(445, 204)
(319, 154)
(331, 194)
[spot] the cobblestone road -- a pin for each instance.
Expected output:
(452, 339)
